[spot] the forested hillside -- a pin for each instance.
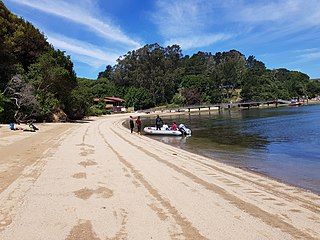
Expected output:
(37, 81)
(154, 75)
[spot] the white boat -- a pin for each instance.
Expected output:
(165, 130)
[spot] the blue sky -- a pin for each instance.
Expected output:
(281, 33)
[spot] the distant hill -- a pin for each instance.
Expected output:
(164, 75)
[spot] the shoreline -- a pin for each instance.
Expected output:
(246, 169)
(214, 158)
(239, 167)
(97, 174)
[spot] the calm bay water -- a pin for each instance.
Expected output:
(283, 143)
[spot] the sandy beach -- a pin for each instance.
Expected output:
(95, 180)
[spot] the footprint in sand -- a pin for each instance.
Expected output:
(79, 175)
(85, 145)
(5, 222)
(83, 230)
(87, 163)
(86, 193)
(86, 152)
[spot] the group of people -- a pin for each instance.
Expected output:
(159, 124)
(138, 123)
(29, 128)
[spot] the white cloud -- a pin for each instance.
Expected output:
(83, 51)
(266, 21)
(186, 22)
(179, 17)
(306, 50)
(304, 56)
(311, 54)
(80, 12)
(266, 11)
(198, 41)
(284, 13)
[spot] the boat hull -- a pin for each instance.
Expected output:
(154, 131)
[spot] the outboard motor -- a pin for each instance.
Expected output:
(184, 129)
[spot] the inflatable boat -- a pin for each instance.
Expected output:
(165, 130)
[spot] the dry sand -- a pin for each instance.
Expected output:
(95, 180)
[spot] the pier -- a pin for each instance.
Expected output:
(220, 106)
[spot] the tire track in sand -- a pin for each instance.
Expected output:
(188, 231)
(308, 204)
(35, 162)
(268, 218)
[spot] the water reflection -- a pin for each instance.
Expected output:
(282, 143)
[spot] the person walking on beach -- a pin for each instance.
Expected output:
(131, 123)
(159, 123)
(139, 123)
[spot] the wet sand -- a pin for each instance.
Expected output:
(95, 180)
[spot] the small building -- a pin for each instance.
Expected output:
(114, 104)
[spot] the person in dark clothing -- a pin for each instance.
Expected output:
(159, 123)
(139, 124)
(131, 123)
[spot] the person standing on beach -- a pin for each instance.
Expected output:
(139, 123)
(131, 123)
(159, 123)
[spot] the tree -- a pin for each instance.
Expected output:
(152, 67)
(313, 88)
(2, 103)
(79, 104)
(28, 44)
(46, 74)
(106, 73)
(196, 64)
(22, 95)
(53, 79)
(178, 99)
(231, 67)
(139, 98)
(192, 96)
(20, 42)
(103, 87)
(196, 89)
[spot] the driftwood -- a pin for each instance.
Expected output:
(22, 94)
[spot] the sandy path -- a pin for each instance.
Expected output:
(97, 181)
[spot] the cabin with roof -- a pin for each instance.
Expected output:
(113, 104)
